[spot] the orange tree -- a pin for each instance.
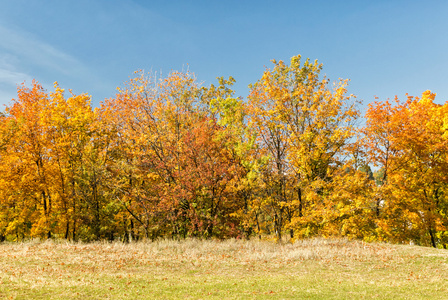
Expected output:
(50, 179)
(172, 166)
(407, 141)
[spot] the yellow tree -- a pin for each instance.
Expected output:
(230, 114)
(79, 165)
(303, 126)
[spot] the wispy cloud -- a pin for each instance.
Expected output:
(23, 56)
(28, 49)
(10, 77)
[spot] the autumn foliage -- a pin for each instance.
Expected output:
(170, 158)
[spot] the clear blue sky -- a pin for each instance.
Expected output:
(386, 48)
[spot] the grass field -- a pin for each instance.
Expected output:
(192, 269)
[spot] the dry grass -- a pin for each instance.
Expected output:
(311, 269)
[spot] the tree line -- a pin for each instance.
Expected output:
(170, 158)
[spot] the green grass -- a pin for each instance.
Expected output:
(191, 269)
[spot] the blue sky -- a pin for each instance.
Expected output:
(385, 48)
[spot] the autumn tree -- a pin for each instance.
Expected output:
(27, 200)
(173, 168)
(51, 183)
(407, 142)
(303, 127)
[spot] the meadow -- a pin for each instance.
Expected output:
(231, 269)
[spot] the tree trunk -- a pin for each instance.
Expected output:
(433, 241)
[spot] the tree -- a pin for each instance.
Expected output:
(408, 143)
(302, 127)
(51, 184)
(173, 167)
